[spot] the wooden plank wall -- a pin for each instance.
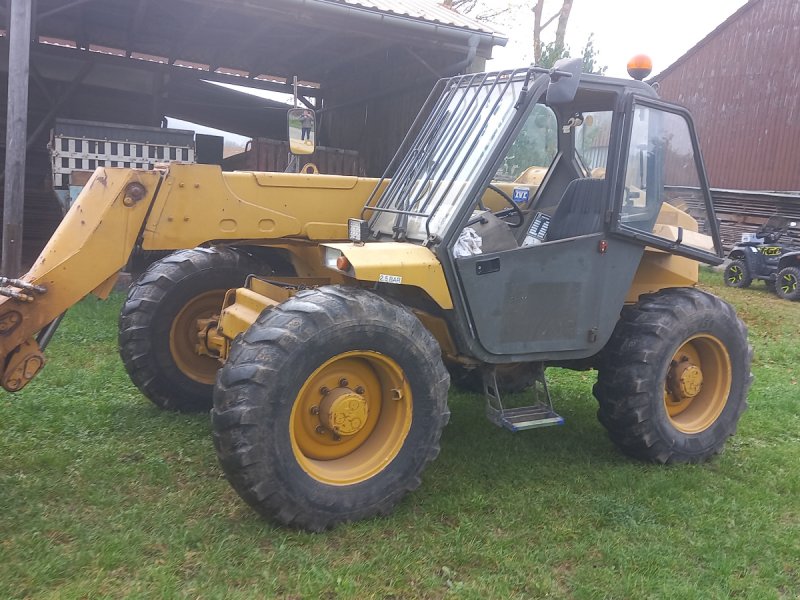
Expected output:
(744, 212)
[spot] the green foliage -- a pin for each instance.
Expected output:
(536, 144)
(553, 52)
(104, 496)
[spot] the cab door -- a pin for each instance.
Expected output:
(562, 296)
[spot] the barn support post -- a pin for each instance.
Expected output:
(16, 134)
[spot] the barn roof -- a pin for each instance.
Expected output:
(424, 10)
(259, 42)
(714, 33)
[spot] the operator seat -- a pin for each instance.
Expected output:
(580, 211)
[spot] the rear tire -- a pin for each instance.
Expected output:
(737, 274)
(787, 284)
(157, 324)
(675, 377)
(276, 439)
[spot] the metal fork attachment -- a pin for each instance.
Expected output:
(6, 283)
(538, 414)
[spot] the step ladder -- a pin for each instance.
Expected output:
(538, 414)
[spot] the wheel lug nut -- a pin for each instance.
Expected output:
(336, 437)
(320, 430)
(343, 382)
(360, 390)
(324, 391)
(315, 410)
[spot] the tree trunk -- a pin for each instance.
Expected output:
(537, 31)
(563, 18)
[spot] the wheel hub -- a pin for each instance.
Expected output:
(344, 411)
(686, 380)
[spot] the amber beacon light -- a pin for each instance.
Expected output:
(640, 66)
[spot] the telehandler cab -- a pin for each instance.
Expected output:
(333, 391)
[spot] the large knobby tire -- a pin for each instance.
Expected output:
(737, 274)
(674, 377)
(787, 283)
(511, 378)
(158, 330)
(329, 408)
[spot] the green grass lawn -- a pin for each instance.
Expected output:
(102, 495)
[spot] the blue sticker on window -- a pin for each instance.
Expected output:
(521, 194)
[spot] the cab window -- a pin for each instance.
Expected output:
(531, 154)
(662, 193)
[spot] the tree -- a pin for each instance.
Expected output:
(544, 54)
(552, 52)
(557, 46)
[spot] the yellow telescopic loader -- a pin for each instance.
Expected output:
(338, 308)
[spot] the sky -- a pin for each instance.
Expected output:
(662, 29)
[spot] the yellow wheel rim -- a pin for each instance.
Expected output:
(351, 417)
(698, 384)
(183, 337)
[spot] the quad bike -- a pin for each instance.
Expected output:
(765, 258)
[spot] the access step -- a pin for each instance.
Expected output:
(524, 417)
(538, 414)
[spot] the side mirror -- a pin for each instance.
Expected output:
(562, 89)
(302, 130)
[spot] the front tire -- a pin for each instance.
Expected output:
(737, 274)
(787, 283)
(329, 408)
(158, 324)
(675, 377)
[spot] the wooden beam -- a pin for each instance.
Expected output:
(173, 71)
(63, 98)
(302, 49)
(63, 7)
(40, 83)
(337, 61)
(136, 24)
(191, 32)
(16, 134)
(244, 43)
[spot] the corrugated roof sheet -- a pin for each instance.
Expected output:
(425, 10)
(714, 33)
(741, 86)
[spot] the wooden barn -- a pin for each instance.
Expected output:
(741, 84)
(365, 66)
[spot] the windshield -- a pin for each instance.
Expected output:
(464, 128)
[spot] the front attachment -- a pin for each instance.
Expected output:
(23, 364)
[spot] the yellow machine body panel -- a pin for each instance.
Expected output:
(659, 270)
(398, 263)
(182, 207)
(200, 203)
(85, 253)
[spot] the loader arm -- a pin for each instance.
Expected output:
(87, 251)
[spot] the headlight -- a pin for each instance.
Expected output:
(331, 256)
(357, 230)
(334, 259)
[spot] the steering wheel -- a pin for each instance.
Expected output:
(513, 210)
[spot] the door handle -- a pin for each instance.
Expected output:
(482, 267)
